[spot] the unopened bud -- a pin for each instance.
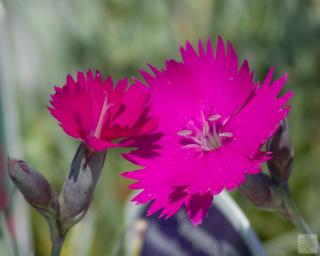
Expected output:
(80, 184)
(34, 187)
(261, 191)
(280, 145)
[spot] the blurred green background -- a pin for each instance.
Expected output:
(48, 39)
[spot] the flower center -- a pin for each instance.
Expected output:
(210, 137)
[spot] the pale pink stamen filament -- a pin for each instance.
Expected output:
(102, 117)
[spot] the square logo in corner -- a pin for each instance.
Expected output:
(307, 244)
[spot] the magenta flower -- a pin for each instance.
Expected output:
(102, 115)
(214, 120)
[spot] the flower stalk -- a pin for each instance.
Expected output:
(291, 212)
(272, 192)
(57, 237)
(280, 167)
(266, 193)
(57, 233)
(64, 211)
(56, 245)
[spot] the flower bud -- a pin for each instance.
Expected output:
(80, 184)
(261, 191)
(34, 187)
(280, 145)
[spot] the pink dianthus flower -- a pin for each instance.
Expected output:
(214, 119)
(100, 114)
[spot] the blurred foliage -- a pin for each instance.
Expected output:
(49, 39)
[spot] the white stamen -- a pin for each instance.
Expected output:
(102, 117)
(205, 128)
(184, 132)
(208, 137)
(214, 117)
(226, 134)
(214, 142)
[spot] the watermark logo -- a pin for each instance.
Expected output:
(307, 244)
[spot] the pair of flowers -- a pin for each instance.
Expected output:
(197, 127)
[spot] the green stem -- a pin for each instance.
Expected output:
(57, 238)
(56, 246)
(291, 212)
(56, 233)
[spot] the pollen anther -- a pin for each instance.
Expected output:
(184, 132)
(226, 134)
(214, 117)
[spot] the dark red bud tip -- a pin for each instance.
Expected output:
(280, 145)
(261, 191)
(34, 187)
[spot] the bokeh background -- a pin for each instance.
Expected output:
(43, 40)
